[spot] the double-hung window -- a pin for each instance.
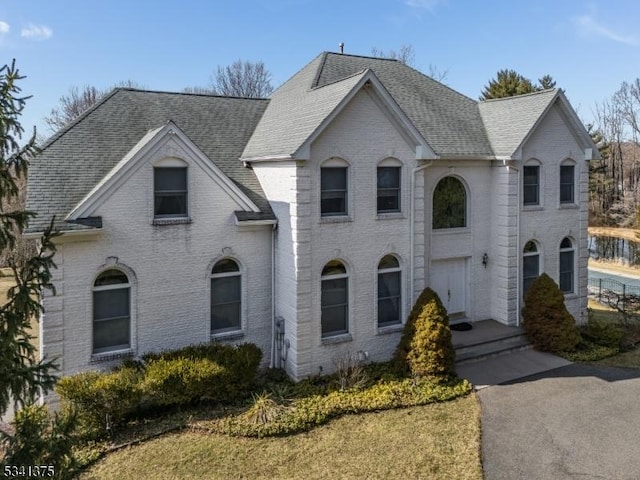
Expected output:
(226, 288)
(170, 192)
(111, 312)
(333, 191)
(531, 185)
(567, 184)
(530, 265)
(388, 189)
(567, 256)
(334, 299)
(389, 292)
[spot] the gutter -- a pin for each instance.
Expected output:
(64, 233)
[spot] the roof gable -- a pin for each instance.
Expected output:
(75, 160)
(448, 121)
(164, 141)
(511, 121)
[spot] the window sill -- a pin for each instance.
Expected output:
(389, 215)
(223, 336)
(336, 219)
(396, 327)
(570, 296)
(343, 337)
(532, 208)
(568, 206)
(171, 221)
(450, 231)
(109, 356)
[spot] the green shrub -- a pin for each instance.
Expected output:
(425, 348)
(241, 362)
(603, 333)
(41, 440)
(101, 400)
(180, 381)
(587, 351)
(265, 418)
(545, 319)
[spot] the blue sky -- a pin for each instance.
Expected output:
(590, 48)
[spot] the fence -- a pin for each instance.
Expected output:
(615, 294)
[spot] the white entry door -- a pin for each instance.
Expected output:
(449, 281)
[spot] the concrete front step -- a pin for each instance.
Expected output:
(488, 348)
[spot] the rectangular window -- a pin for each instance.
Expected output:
(388, 298)
(334, 306)
(566, 271)
(567, 184)
(111, 320)
(388, 189)
(531, 184)
(225, 304)
(333, 191)
(170, 192)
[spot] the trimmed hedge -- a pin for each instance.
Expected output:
(208, 372)
(425, 348)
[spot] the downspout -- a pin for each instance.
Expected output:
(412, 228)
(272, 362)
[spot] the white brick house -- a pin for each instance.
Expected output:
(308, 222)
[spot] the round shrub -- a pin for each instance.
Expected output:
(425, 348)
(545, 319)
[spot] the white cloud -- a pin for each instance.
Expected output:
(4, 28)
(424, 4)
(36, 32)
(588, 25)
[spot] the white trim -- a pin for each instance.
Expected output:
(247, 223)
(64, 233)
(148, 146)
(389, 107)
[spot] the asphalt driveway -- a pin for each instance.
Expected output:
(574, 422)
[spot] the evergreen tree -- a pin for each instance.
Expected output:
(37, 438)
(509, 83)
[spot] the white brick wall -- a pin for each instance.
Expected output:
(551, 144)
(171, 264)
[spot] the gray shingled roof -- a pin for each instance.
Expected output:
(508, 121)
(78, 157)
(295, 112)
(449, 121)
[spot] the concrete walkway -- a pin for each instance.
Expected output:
(573, 422)
(510, 366)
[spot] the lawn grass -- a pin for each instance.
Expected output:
(437, 441)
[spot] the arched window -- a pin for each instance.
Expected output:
(567, 257)
(449, 204)
(335, 299)
(225, 296)
(389, 291)
(111, 312)
(530, 265)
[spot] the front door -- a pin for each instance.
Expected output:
(449, 281)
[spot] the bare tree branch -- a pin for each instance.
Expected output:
(242, 79)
